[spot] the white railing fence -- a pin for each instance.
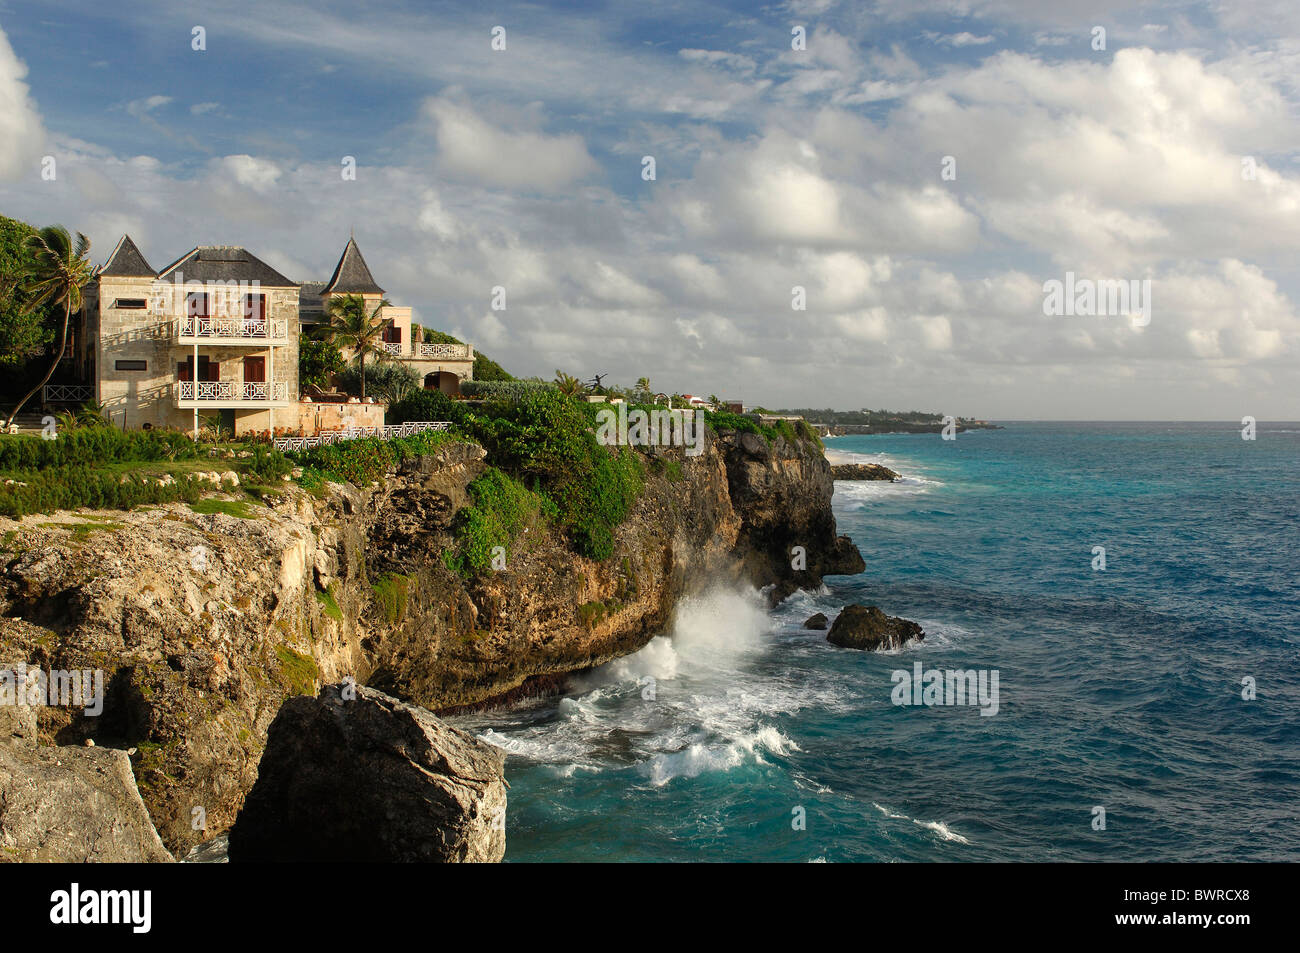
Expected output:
(233, 390)
(199, 326)
(446, 351)
(352, 433)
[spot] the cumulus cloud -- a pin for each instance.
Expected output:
(472, 148)
(260, 175)
(22, 134)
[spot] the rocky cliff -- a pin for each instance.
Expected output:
(204, 624)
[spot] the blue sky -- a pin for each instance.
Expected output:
(818, 168)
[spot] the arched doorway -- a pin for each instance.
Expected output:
(445, 381)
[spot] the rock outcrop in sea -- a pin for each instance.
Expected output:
(868, 628)
(862, 471)
(356, 775)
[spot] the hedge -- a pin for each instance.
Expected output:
(506, 389)
(365, 460)
(67, 488)
(92, 445)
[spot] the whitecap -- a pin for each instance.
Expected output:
(943, 830)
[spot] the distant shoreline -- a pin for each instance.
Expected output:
(856, 430)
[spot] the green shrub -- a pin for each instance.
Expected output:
(268, 465)
(391, 594)
(90, 445)
(515, 389)
(237, 508)
(425, 405)
(70, 487)
(501, 510)
(365, 460)
(389, 381)
(317, 361)
(722, 420)
(545, 439)
(330, 605)
(590, 613)
(486, 369)
(300, 672)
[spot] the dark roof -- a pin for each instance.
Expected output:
(127, 262)
(226, 263)
(352, 276)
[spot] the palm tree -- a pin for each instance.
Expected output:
(566, 384)
(352, 325)
(59, 276)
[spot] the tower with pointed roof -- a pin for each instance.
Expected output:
(441, 366)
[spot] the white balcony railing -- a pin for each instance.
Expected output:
(215, 328)
(250, 391)
(442, 352)
(448, 352)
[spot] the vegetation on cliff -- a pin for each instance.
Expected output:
(502, 510)
(547, 440)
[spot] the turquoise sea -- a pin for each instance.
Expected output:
(738, 736)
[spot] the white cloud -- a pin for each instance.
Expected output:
(957, 39)
(470, 147)
(260, 175)
(22, 135)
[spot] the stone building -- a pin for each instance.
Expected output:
(212, 339)
(440, 366)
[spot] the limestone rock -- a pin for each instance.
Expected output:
(862, 471)
(371, 778)
(867, 627)
(73, 805)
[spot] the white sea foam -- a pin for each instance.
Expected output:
(687, 703)
(942, 829)
(939, 828)
(857, 494)
(696, 759)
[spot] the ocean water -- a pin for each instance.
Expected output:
(738, 736)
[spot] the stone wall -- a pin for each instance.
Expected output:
(326, 415)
